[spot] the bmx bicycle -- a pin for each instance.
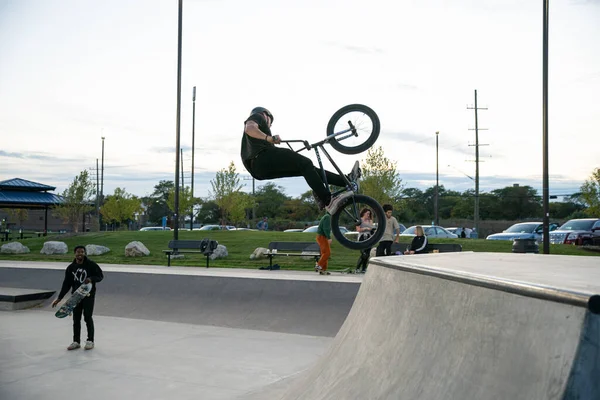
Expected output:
(351, 130)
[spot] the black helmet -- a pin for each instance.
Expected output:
(258, 110)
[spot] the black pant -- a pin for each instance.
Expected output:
(384, 248)
(86, 306)
(363, 260)
(284, 163)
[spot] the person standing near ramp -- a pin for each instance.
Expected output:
(324, 241)
(81, 271)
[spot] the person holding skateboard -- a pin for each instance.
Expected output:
(81, 271)
(324, 241)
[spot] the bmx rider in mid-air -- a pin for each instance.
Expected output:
(266, 161)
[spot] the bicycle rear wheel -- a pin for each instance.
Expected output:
(363, 124)
(348, 215)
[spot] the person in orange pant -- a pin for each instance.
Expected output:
(324, 241)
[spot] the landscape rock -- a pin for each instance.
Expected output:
(14, 248)
(95, 250)
(136, 249)
(220, 252)
(54, 248)
(259, 253)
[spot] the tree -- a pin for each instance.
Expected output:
(186, 202)
(121, 206)
(224, 188)
(20, 214)
(270, 198)
(379, 177)
(77, 200)
(590, 194)
(517, 202)
(209, 212)
(157, 203)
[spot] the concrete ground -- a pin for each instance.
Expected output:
(143, 359)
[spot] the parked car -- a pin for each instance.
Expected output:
(458, 231)
(313, 229)
(523, 230)
(431, 231)
(294, 230)
(155, 228)
(580, 232)
(217, 228)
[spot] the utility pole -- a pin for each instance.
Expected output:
(182, 181)
(254, 198)
(437, 179)
(101, 185)
(545, 183)
(476, 216)
(193, 146)
(177, 130)
(97, 196)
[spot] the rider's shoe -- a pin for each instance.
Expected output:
(318, 268)
(337, 201)
(354, 176)
(324, 273)
(320, 203)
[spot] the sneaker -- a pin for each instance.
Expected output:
(337, 201)
(318, 268)
(320, 203)
(324, 273)
(356, 173)
(89, 345)
(73, 346)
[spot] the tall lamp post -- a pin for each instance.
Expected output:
(545, 183)
(177, 128)
(193, 146)
(437, 179)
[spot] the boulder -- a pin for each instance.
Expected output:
(95, 250)
(54, 248)
(136, 249)
(259, 253)
(14, 248)
(220, 252)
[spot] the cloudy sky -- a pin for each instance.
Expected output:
(72, 71)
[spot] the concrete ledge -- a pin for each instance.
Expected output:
(19, 299)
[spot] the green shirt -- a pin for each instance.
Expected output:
(324, 228)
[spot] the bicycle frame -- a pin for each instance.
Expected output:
(320, 145)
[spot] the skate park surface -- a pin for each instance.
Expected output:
(433, 326)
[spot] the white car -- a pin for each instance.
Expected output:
(431, 231)
(458, 231)
(313, 229)
(155, 228)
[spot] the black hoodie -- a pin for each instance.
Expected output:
(76, 274)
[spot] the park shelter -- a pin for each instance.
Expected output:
(21, 193)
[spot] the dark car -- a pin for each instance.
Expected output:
(580, 232)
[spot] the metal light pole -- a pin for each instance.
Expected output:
(545, 183)
(101, 185)
(437, 179)
(177, 130)
(193, 145)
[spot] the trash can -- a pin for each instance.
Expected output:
(525, 246)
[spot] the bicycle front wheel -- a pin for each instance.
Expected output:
(361, 124)
(348, 216)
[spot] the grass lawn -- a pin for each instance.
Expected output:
(239, 246)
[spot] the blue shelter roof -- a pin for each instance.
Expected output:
(21, 193)
(22, 184)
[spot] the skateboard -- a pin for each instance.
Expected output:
(67, 306)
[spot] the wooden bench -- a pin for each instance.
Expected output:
(204, 246)
(440, 247)
(287, 249)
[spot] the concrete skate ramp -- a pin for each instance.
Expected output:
(277, 301)
(463, 326)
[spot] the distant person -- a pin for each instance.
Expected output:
(265, 161)
(419, 242)
(365, 230)
(463, 233)
(324, 241)
(391, 227)
(263, 225)
(82, 270)
(474, 233)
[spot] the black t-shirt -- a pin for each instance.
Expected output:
(251, 147)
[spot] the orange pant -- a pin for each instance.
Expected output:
(325, 251)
